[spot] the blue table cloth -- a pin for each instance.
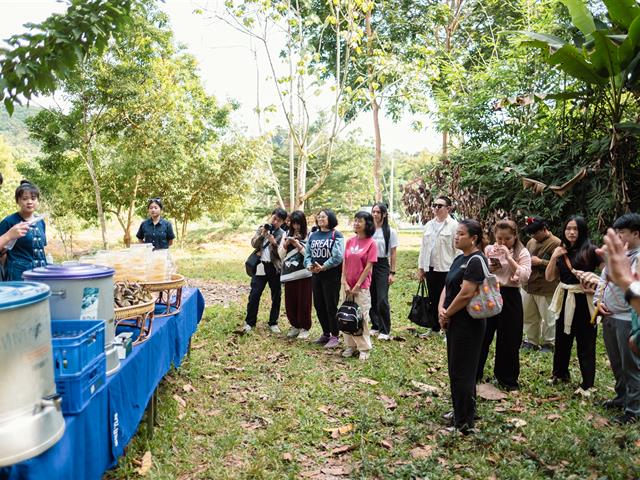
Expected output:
(95, 438)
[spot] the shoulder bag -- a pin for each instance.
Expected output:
(293, 267)
(421, 312)
(487, 302)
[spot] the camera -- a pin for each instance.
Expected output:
(268, 228)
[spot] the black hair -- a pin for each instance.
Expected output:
(281, 213)
(582, 248)
(27, 187)
(369, 224)
(475, 230)
(156, 200)
(534, 225)
(386, 231)
(445, 198)
(630, 221)
(299, 218)
(331, 218)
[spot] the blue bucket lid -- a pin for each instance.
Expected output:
(18, 294)
(68, 271)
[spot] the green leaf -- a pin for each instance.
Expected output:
(605, 56)
(541, 40)
(629, 46)
(8, 104)
(580, 16)
(571, 61)
(622, 12)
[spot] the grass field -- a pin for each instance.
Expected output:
(264, 407)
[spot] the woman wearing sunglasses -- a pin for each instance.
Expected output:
(155, 229)
(437, 250)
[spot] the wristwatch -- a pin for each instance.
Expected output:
(633, 292)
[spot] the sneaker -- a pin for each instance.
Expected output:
(427, 334)
(373, 332)
(547, 348)
(304, 334)
(348, 352)
(384, 336)
(626, 418)
(322, 339)
(293, 332)
(333, 342)
(529, 346)
(364, 355)
(275, 329)
(612, 405)
(246, 329)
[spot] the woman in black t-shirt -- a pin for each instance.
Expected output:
(576, 253)
(464, 333)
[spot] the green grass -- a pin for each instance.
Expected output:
(262, 403)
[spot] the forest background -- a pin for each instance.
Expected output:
(535, 103)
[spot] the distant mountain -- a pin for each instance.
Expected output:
(15, 131)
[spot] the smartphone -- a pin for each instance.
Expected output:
(495, 262)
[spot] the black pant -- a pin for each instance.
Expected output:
(380, 311)
(435, 285)
(585, 334)
(464, 341)
(326, 295)
(271, 277)
(508, 325)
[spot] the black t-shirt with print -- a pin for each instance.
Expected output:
(463, 268)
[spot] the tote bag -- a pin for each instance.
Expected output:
(421, 312)
(487, 302)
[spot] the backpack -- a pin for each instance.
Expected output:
(350, 317)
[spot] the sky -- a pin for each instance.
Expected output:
(227, 67)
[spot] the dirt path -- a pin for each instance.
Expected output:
(220, 293)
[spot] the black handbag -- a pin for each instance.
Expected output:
(421, 312)
(350, 317)
(252, 262)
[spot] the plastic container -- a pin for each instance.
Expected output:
(78, 389)
(76, 343)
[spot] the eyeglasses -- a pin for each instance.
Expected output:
(437, 206)
(154, 199)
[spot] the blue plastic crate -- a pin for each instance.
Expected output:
(76, 343)
(77, 390)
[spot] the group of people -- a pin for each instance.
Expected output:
(23, 234)
(319, 268)
(554, 289)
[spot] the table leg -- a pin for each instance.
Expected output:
(189, 350)
(151, 407)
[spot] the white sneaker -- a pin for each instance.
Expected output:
(304, 334)
(384, 336)
(275, 329)
(348, 352)
(373, 332)
(363, 356)
(292, 333)
(246, 328)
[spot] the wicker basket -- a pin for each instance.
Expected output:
(169, 301)
(139, 317)
(133, 311)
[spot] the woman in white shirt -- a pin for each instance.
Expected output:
(437, 250)
(384, 270)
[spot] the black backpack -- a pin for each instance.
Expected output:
(350, 318)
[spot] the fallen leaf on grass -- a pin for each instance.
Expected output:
(597, 420)
(423, 387)
(388, 402)
(180, 400)
(339, 470)
(188, 388)
(339, 431)
(213, 412)
(210, 377)
(310, 473)
(287, 457)
(500, 409)
(388, 444)
(489, 392)
(423, 451)
(517, 409)
(233, 369)
(145, 465)
(553, 416)
(324, 409)
(342, 449)
(519, 438)
(197, 346)
(367, 381)
(583, 393)
(517, 422)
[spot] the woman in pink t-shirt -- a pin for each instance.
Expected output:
(360, 253)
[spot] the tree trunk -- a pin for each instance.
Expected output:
(96, 188)
(375, 108)
(445, 143)
(132, 204)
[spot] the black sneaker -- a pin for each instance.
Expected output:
(547, 348)
(626, 419)
(529, 346)
(612, 405)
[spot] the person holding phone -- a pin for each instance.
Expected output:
(24, 252)
(323, 257)
(511, 263)
(539, 324)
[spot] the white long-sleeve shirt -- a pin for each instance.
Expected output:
(437, 249)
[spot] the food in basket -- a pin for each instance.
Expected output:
(127, 294)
